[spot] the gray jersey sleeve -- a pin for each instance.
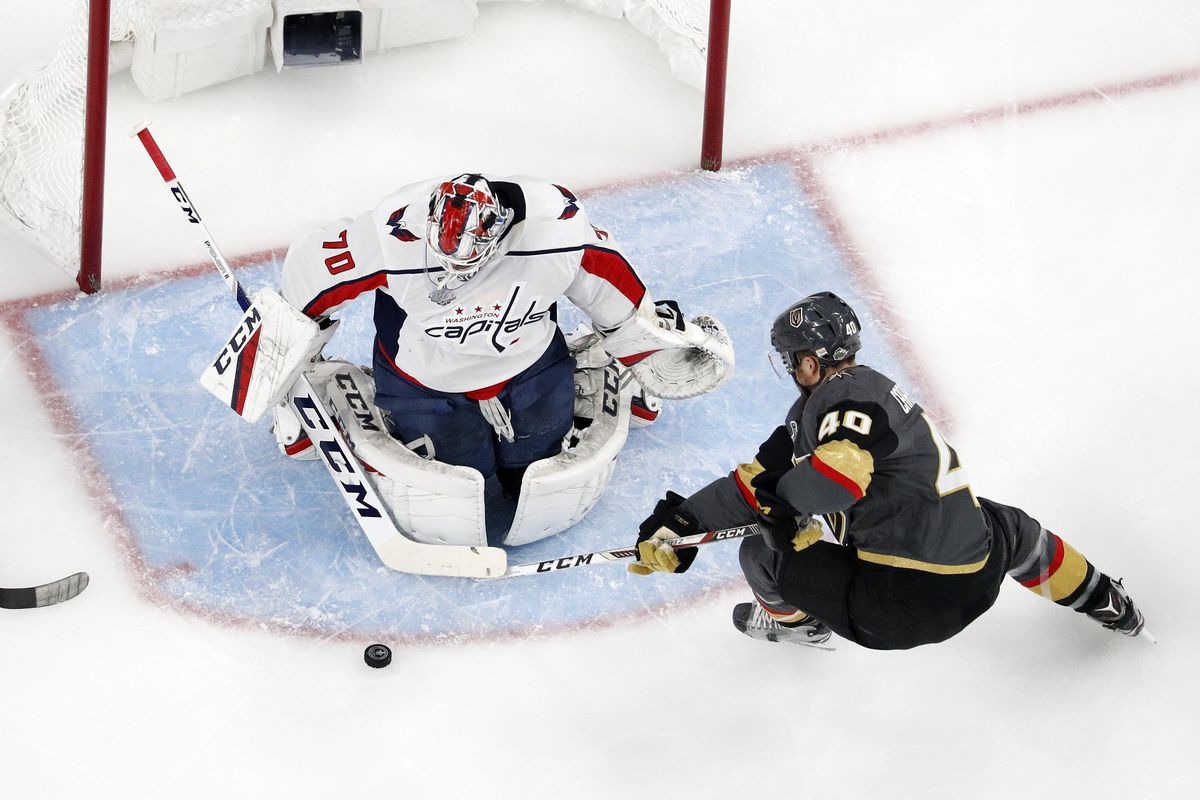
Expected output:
(721, 505)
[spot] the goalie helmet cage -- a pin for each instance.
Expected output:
(52, 130)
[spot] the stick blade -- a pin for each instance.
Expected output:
(62, 590)
(47, 594)
(455, 561)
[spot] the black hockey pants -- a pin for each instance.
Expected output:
(878, 606)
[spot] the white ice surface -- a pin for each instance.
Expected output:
(1041, 263)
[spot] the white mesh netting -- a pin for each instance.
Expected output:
(42, 115)
(41, 121)
(678, 27)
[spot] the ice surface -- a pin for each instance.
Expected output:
(1008, 189)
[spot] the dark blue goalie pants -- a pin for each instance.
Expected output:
(541, 400)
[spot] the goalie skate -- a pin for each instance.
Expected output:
(644, 407)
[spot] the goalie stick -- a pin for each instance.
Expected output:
(47, 594)
(394, 549)
(626, 553)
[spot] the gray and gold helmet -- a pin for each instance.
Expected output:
(821, 324)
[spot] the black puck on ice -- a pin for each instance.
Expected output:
(377, 655)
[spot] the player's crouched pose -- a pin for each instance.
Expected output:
(471, 374)
(919, 556)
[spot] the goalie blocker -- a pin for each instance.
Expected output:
(263, 357)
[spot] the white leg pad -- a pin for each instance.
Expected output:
(431, 502)
(557, 492)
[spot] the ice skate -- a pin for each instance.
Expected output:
(752, 620)
(1118, 613)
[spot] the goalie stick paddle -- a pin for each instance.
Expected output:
(394, 549)
(47, 594)
(625, 553)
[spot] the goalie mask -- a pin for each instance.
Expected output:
(466, 222)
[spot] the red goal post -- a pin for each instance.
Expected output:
(52, 124)
(712, 136)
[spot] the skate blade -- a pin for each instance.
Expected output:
(814, 645)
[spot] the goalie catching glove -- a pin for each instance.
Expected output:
(670, 520)
(672, 358)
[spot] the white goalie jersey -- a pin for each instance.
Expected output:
(481, 332)
(469, 334)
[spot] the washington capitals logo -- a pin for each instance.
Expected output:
(572, 207)
(399, 230)
(492, 319)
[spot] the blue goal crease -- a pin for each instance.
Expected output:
(267, 538)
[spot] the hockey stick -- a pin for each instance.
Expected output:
(47, 594)
(626, 553)
(394, 549)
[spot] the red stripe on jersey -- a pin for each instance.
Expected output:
(1055, 563)
(487, 392)
(609, 266)
(241, 386)
(841, 480)
(346, 291)
(747, 492)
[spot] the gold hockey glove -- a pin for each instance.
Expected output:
(783, 528)
(807, 535)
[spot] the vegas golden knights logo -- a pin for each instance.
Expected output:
(795, 317)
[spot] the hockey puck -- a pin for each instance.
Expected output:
(377, 656)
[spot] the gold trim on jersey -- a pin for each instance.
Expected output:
(749, 472)
(1066, 578)
(838, 525)
(744, 476)
(848, 460)
(923, 566)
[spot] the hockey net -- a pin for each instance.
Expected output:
(43, 158)
(680, 28)
(42, 121)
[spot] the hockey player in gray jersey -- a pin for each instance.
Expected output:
(918, 556)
